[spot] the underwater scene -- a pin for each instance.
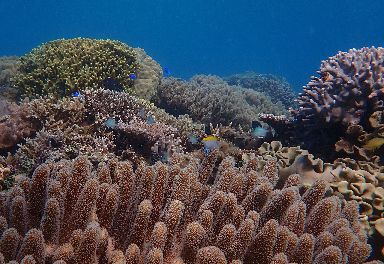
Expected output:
(192, 132)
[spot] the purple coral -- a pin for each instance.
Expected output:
(350, 88)
(349, 91)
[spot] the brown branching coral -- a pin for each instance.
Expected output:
(275, 87)
(209, 99)
(348, 92)
(175, 214)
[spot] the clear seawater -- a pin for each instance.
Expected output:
(222, 37)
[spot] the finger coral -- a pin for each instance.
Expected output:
(209, 99)
(187, 211)
(277, 88)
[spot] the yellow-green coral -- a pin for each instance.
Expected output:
(61, 67)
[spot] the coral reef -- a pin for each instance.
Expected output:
(209, 99)
(343, 105)
(8, 68)
(62, 67)
(70, 213)
(277, 88)
(103, 176)
(79, 126)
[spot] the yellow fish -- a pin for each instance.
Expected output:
(210, 138)
(374, 143)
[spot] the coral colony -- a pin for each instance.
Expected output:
(105, 161)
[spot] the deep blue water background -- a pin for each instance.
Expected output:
(288, 38)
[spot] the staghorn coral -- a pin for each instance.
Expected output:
(188, 211)
(209, 99)
(62, 67)
(348, 92)
(277, 88)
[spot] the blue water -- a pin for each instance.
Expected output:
(288, 38)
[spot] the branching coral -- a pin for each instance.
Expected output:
(79, 126)
(62, 67)
(348, 92)
(184, 212)
(277, 88)
(209, 99)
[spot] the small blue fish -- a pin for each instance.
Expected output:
(166, 72)
(76, 94)
(141, 113)
(193, 139)
(110, 123)
(150, 120)
(259, 132)
(133, 76)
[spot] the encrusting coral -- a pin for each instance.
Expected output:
(189, 211)
(63, 67)
(277, 88)
(209, 99)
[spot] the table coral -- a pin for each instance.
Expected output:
(173, 214)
